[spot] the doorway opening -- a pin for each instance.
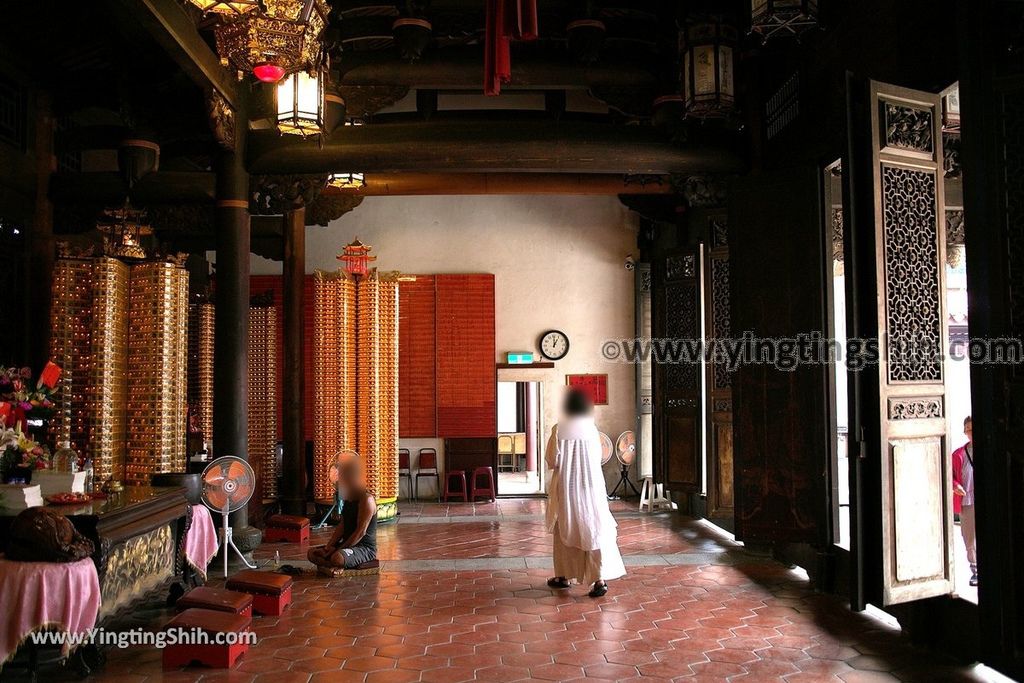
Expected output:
(520, 447)
(836, 315)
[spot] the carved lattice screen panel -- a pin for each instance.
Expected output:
(718, 378)
(909, 264)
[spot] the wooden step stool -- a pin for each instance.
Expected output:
(217, 599)
(290, 528)
(370, 568)
(210, 622)
(270, 592)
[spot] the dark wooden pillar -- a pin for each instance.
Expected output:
(293, 499)
(39, 273)
(231, 323)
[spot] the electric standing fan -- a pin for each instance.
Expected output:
(606, 447)
(228, 484)
(625, 451)
(333, 475)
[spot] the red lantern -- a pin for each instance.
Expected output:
(268, 73)
(356, 257)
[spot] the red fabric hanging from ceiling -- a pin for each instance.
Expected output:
(507, 20)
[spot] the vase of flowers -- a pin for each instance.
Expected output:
(24, 403)
(20, 456)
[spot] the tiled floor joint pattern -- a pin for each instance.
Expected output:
(445, 609)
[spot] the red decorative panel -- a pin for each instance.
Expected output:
(417, 377)
(466, 385)
(595, 386)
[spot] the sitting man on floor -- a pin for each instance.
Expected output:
(354, 541)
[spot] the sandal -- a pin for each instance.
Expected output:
(290, 570)
(600, 588)
(559, 582)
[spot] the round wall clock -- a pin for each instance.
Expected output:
(554, 344)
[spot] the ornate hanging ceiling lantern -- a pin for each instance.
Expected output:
(356, 257)
(708, 77)
(123, 230)
(782, 17)
(300, 103)
(282, 39)
(347, 181)
(226, 7)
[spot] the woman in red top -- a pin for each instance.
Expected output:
(963, 496)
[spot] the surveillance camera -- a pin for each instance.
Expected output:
(630, 263)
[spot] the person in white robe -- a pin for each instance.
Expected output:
(585, 534)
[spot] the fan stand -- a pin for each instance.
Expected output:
(335, 507)
(226, 542)
(624, 482)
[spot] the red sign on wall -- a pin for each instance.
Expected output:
(596, 386)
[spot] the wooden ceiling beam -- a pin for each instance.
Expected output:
(174, 30)
(399, 184)
(452, 70)
(487, 146)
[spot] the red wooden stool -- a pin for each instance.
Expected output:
(476, 490)
(211, 623)
(217, 599)
(270, 592)
(290, 528)
(460, 477)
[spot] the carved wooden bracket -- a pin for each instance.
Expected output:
(365, 100)
(701, 191)
(222, 120)
(271, 195)
(329, 207)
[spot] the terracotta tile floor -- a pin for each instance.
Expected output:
(743, 620)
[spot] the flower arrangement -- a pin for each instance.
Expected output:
(20, 398)
(18, 450)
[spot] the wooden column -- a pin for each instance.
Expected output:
(231, 324)
(293, 495)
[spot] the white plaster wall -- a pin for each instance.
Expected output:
(558, 262)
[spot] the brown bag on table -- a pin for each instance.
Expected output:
(38, 535)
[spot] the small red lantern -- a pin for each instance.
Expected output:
(268, 73)
(356, 257)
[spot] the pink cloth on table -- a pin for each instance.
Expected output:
(201, 541)
(60, 595)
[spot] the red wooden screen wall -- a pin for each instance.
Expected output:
(417, 379)
(466, 386)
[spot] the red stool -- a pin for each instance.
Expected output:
(212, 623)
(270, 592)
(290, 528)
(460, 477)
(217, 599)
(476, 490)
